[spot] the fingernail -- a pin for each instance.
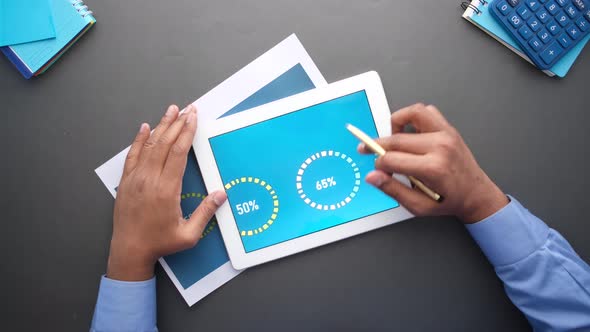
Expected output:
(143, 127)
(219, 197)
(374, 179)
(170, 110)
(361, 147)
(190, 117)
(377, 182)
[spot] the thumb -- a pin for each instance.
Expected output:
(204, 212)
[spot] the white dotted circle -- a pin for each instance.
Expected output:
(325, 154)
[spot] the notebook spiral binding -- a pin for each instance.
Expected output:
(467, 4)
(81, 7)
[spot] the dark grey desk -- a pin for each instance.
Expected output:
(528, 131)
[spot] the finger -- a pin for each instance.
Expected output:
(168, 118)
(191, 231)
(177, 156)
(412, 143)
(423, 118)
(135, 149)
(402, 163)
(169, 138)
(416, 202)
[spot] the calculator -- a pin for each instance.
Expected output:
(545, 29)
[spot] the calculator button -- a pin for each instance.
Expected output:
(574, 32)
(533, 4)
(543, 15)
(582, 24)
(536, 44)
(587, 16)
(551, 52)
(544, 36)
(562, 2)
(524, 12)
(525, 32)
(552, 7)
(571, 11)
(535, 25)
(553, 27)
(513, 3)
(564, 40)
(562, 19)
(580, 4)
(504, 8)
(515, 20)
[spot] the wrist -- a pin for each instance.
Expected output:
(129, 273)
(126, 265)
(482, 203)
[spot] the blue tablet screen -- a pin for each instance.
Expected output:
(299, 173)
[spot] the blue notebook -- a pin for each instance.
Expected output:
(24, 21)
(71, 19)
(477, 12)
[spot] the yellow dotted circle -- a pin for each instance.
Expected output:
(211, 225)
(271, 192)
(190, 195)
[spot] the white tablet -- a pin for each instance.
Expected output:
(292, 174)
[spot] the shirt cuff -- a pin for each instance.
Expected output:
(510, 234)
(125, 306)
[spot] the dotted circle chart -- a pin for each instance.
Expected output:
(212, 223)
(326, 182)
(252, 205)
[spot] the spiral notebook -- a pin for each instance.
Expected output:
(25, 21)
(71, 19)
(477, 12)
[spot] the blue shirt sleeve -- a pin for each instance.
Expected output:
(542, 274)
(124, 306)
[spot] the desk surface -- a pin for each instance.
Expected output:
(528, 131)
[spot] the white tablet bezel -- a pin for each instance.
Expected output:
(240, 259)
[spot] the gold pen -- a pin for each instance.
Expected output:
(380, 151)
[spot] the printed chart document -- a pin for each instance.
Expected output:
(285, 70)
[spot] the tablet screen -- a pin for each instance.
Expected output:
(299, 173)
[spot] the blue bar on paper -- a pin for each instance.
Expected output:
(193, 264)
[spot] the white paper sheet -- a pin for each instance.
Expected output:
(237, 90)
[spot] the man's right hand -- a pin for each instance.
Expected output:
(437, 155)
